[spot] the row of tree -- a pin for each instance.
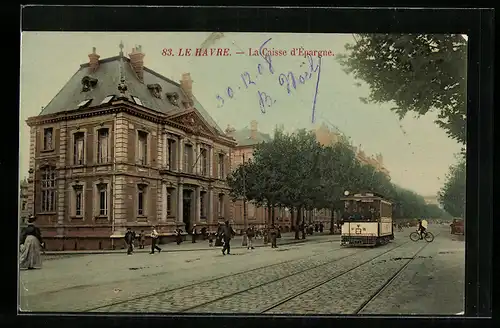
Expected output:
(297, 172)
(452, 195)
(418, 73)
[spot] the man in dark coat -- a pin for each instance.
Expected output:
(129, 239)
(193, 234)
(274, 233)
(227, 234)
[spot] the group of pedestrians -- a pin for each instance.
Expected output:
(130, 238)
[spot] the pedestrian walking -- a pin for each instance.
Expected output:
(154, 240)
(210, 239)
(142, 239)
(193, 234)
(178, 236)
(321, 227)
(227, 234)
(274, 233)
(31, 244)
(129, 240)
(316, 227)
(250, 236)
(218, 235)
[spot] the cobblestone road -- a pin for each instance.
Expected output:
(258, 280)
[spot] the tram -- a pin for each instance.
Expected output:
(366, 220)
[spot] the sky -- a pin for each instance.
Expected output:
(416, 151)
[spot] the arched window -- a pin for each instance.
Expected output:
(48, 189)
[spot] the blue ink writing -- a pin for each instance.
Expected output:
(264, 101)
(246, 79)
(221, 101)
(288, 80)
(267, 57)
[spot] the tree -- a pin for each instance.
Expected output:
(417, 72)
(452, 195)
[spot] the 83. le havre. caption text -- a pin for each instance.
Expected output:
(224, 52)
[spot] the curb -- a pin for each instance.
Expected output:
(56, 253)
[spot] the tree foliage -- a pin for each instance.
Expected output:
(295, 171)
(417, 72)
(452, 195)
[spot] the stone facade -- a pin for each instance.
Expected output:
(97, 170)
(23, 203)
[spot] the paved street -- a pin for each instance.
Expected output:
(314, 277)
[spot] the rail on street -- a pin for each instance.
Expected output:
(315, 276)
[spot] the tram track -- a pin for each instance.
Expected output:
(227, 297)
(272, 281)
(240, 273)
(388, 282)
(372, 296)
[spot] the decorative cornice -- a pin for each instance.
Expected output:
(124, 106)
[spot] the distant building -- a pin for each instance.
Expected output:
(432, 200)
(247, 139)
(327, 136)
(123, 146)
(23, 202)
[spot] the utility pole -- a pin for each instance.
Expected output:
(244, 241)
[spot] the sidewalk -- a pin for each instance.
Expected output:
(202, 245)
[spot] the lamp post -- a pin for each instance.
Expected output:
(244, 241)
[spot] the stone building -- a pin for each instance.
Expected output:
(328, 136)
(23, 203)
(257, 216)
(123, 146)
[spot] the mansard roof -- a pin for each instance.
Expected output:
(104, 82)
(247, 137)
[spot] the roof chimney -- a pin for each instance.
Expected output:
(229, 130)
(187, 85)
(93, 60)
(253, 129)
(137, 62)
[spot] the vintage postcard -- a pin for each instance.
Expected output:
(262, 173)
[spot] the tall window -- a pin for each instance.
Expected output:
(221, 166)
(220, 208)
(78, 189)
(102, 189)
(188, 158)
(48, 190)
(102, 145)
(169, 201)
(141, 200)
(203, 195)
(47, 139)
(142, 147)
(170, 153)
(79, 148)
(204, 161)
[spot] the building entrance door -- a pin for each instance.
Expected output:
(186, 210)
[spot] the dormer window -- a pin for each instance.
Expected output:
(88, 83)
(137, 101)
(107, 99)
(84, 103)
(155, 90)
(173, 97)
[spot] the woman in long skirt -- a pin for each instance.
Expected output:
(31, 246)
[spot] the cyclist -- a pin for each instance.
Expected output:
(421, 229)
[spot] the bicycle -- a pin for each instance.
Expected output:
(428, 236)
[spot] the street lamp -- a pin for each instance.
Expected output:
(244, 241)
